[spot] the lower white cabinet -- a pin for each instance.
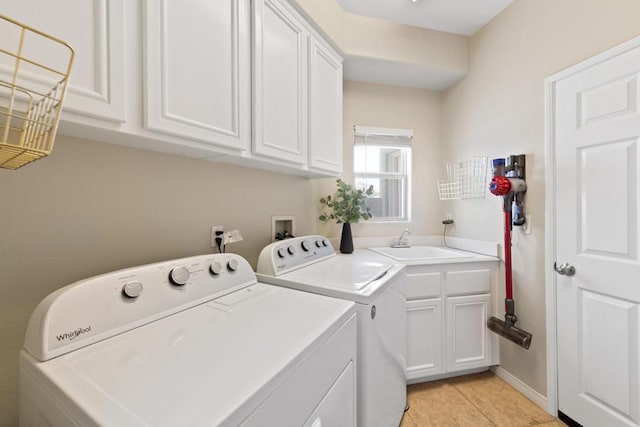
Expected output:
(424, 328)
(467, 334)
(447, 310)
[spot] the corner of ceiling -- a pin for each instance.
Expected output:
(384, 52)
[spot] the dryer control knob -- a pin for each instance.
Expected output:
(281, 252)
(132, 289)
(232, 265)
(305, 245)
(215, 268)
(291, 250)
(325, 242)
(318, 243)
(179, 276)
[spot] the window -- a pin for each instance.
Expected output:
(382, 158)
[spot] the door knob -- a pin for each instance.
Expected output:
(565, 269)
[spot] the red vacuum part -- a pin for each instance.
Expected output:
(500, 185)
(507, 254)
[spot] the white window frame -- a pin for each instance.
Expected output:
(388, 138)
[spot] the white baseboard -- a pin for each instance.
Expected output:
(516, 383)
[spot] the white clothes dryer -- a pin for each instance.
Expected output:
(190, 342)
(376, 285)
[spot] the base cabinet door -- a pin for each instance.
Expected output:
(467, 334)
(424, 338)
(280, 82)
(197, 70)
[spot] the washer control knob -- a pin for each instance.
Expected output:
(132, 289)
(232, 265)
(215, 268)
(291, 250)
(281, 252)
(179, 276)
(305, 245)
(318, 243)
(325, 242)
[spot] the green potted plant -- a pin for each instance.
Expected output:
(346, 206)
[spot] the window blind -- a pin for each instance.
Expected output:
(369, 135)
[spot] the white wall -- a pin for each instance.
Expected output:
(498, 109)
(370, 104)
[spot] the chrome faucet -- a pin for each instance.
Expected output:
(403, 242)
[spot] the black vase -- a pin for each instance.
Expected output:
(346, 241)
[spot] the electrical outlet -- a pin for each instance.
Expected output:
(449, 216)
(216, 231)
(527, 228)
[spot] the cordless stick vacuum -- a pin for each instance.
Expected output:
(509, 182)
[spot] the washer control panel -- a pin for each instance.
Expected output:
(96, 308)
(290, 254)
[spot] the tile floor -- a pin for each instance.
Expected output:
(475, 401)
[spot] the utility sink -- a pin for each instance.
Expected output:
(418, 253)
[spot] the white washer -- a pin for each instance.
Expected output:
(191, 342)
(375, 284)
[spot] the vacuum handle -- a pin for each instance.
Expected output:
(507, 255)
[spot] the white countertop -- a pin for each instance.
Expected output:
(478, 250)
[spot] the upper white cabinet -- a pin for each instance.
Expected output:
(197, 70)
(96, 31)
(280, 82)
(325, 108)
(249, 82)
(297, 91)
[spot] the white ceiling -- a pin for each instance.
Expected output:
(453, 16)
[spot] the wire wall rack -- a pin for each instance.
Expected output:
(465, 180)
(34, 73)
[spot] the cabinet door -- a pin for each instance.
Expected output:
(325, 109)
(280, 82)
(467, 334)
(96, 31)
(197, 70)
(424, 338)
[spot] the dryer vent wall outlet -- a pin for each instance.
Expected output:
(282, 227)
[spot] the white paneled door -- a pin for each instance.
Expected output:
(596, 135)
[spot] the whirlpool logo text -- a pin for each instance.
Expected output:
(73, 334)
